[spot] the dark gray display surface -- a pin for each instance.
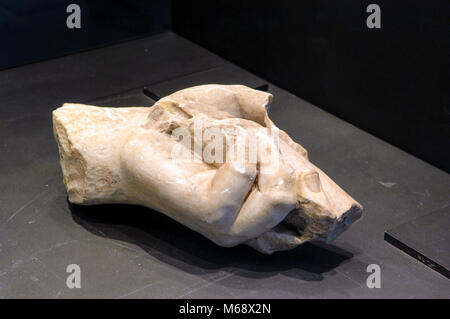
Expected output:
(133, 252)
(426, 238)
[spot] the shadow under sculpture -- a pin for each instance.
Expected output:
(208, 157)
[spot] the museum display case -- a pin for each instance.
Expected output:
(103, 212)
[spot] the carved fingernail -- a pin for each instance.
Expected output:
(312, 181)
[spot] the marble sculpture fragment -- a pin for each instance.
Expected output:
(210, 158)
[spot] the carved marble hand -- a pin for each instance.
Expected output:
(240, 179)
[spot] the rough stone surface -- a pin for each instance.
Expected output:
(126, 155)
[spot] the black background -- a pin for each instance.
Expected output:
(33, 30)
(391, 82)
